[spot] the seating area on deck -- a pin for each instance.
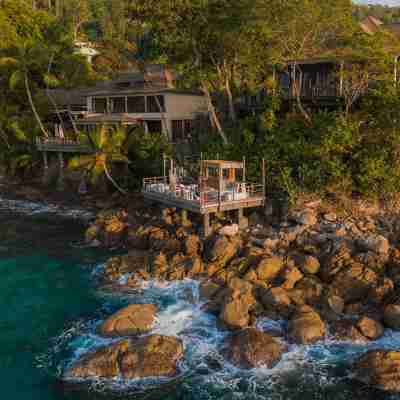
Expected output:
(220, 186)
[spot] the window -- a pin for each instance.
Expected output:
(178, 131)
(181, 130)
(136, 104)
(100, 105)
(118, 105)
(154, 126)
(153, 106)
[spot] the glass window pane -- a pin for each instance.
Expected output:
(118, 105)
(136, 104)
(153, 106)
(100, 105)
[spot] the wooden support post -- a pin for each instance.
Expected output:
(45, 176)
(206, 225)
(395, 72)
(241, 219)
(164, 168)
(264, 178)
(244, 169)
(219, 187)
(184, 218)
(60, 182)
(45, 160)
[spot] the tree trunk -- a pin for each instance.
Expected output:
(213, 114)
(35, 113)
(232, 111)
(227, 83)
(297, 93)
(110, 178)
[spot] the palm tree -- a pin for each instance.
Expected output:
(110, 144)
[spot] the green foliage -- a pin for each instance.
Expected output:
(146, 153)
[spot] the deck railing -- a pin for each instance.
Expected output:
(240, 192)
(62, 145)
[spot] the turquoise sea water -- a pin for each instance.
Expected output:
(50, 305)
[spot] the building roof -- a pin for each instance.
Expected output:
(223, 163)
(370, 24)
(151, 89)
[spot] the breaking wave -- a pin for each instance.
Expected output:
(318, 371)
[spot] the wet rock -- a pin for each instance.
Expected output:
(237, 304)
(92, 233)
(134, 261)
(132, 320)
(391, 316)
(158, 264)
(379, 368)
(208, 290)
(347, 330)
(306, 326)
(370, 328)
(149, 356)
(277, 301)
(251, 348)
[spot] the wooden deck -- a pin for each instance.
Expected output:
(62, 146)
(199, 208)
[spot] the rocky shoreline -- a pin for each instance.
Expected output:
(327, 275)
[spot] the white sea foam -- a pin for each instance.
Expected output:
(180, 314)
(38, 208)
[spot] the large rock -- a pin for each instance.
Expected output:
(237, 304)
(354, 282)
(307, 291)
(305, 217)
(276, 300)
(221, 250)
(306, 326)
(362, 329)
(251, 348)
(132, 320)
(370, 328)
(150, 356)
(377, 244)
(309, 264)
(193, 245)
(133, 262)
(379, 368)
(391, 316)
(266, 270)
(337, 256)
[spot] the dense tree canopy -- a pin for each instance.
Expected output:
(227, 51)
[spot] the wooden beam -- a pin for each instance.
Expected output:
(206, 225)
(264, 177)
